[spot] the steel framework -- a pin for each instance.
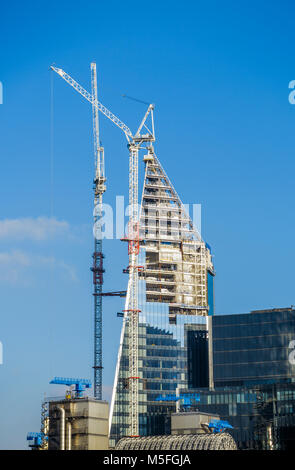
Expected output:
(97, 268)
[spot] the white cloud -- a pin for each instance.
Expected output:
(18, 267)
(40, 228)
(11, 266)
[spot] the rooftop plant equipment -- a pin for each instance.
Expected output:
(187, 398)
(37, 438)
(80, 384)
(217, 425)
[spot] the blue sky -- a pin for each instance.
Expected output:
(218, 73)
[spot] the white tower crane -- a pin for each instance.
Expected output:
(97, 268)
(135, 143)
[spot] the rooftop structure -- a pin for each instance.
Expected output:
(222, 441)
(78, 424)
(189, 431)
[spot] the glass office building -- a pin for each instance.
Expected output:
(254, 377)
(262, 416)
(254, 348)
(175, 299)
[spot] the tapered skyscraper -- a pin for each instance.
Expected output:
(175, 300)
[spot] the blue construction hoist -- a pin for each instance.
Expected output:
(187, 398)
(80, 384)
(36, 437)
(217, 425)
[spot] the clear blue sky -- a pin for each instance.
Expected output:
(218, 73)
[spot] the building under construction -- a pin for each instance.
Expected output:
(175, 296)
(171, 344)
(170, 286)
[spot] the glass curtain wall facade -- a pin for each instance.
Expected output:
(175, 297)
(254, 348)
(197, 357)
(263, 416)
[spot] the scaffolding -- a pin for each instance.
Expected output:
(177, 259)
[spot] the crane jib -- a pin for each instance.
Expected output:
(90, 98)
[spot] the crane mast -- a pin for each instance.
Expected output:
(97, 268)
(135, 143)
(133, 312)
